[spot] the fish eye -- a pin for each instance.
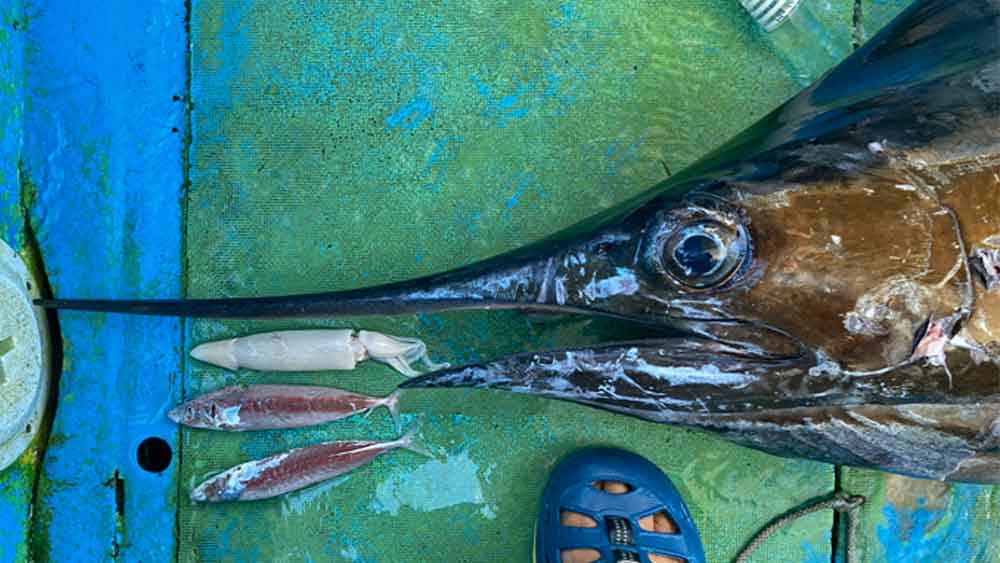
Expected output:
(698, 246)
(703, 254)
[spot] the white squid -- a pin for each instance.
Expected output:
(315, 350)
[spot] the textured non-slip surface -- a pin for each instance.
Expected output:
(340, 144)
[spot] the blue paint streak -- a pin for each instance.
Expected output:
(524, 182)
(435, 158)
(545, 82)
(518, 193)
(11, 120)
(472, 223)
(481, 88)
(567, 13)
(932, 534)
(500, 111)
(617, 158)
(810, 555)
(445, 151)
(100, 148)
(411, 115)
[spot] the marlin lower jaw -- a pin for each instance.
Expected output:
(669, 379)
(646, 378)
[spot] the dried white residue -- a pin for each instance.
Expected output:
(913, 412)
(707, 374)
(995, 428)
(776, 199)
(825, 365)
(623, 283)
(988, 79)
(298, 502)
(873, 317)
(547, 280)
(632, 361)
(986, 263)
(249, 471)
(610, 238)
(229, 417)
(435, 485)
(350, 552)
(501, 284)
(235, 480)
(560, 285)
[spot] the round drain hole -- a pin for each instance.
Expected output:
(154, 455)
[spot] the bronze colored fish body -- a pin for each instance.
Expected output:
(822, 286)
(240, 408)
(293, 470)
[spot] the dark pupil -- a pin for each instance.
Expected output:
(699, 254)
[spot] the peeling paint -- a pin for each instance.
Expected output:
(421, 489)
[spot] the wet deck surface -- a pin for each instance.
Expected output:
(332, 146)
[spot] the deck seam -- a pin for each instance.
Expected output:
(187, 100)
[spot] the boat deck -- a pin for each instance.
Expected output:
(239, 148)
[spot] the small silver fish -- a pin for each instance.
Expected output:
(295, 469)
(273, 407)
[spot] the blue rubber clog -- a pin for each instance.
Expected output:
(617, 536)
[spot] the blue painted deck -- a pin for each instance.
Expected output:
(102, 147)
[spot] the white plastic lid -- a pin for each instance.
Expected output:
(23, 358)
